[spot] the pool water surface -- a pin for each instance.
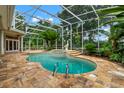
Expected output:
(60, 64)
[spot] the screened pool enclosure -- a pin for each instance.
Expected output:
(75, 24)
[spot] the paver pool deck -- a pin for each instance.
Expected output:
(17, 72)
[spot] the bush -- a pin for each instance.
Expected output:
(115, 57)
(90, 48)
(105, 50)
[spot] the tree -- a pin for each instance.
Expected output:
(116, 23)
(117, 30)
(117, 14)
(50, 37)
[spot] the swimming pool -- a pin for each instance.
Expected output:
(50, 62)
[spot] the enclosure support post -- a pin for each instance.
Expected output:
(62, 39)
(43, 44)
(56, 43)
(29, 44)
(37, 43)
(98, 24)
(71, 37)
(82, 39)
(98, 35)
(25, 45)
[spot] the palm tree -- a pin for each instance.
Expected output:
(116, 31)
(116, 23)
(117, 14)
(115, 34)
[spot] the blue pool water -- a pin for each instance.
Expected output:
(76, 65)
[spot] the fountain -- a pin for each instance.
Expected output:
(57, 53)
(66, 46)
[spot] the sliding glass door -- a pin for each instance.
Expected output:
(12, 45)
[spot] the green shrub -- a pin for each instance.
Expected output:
(115, 57)
(90, 47)
(105, 50)
(122, 59)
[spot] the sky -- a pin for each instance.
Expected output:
(53, 9)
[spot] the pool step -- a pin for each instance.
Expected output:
(75, 52)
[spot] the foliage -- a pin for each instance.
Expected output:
(116, 31)
(49, 36)
(77, 40)
(90, 48)
(115, 57)
(115, 35)
(105, 49)
(117, 13)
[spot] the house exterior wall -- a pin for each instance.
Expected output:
(6, 31)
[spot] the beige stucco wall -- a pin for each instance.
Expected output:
(6, 16)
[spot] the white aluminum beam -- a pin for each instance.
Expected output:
(18, 26)
(89, 12)
(82, 39)
(71, 25)
(43, 25)
(62, 39)
(95, 11)
(79, 15)
(70, 6)
(19, 19)
(37, 17)
(25, 12)
(72, 13)
(34, 13)
(47, 27)
(52, 15)
(32, 33)
(83, 21)
(35, 29)
(98, 24)
(85, 31)
(71, 37)
(86, 20)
